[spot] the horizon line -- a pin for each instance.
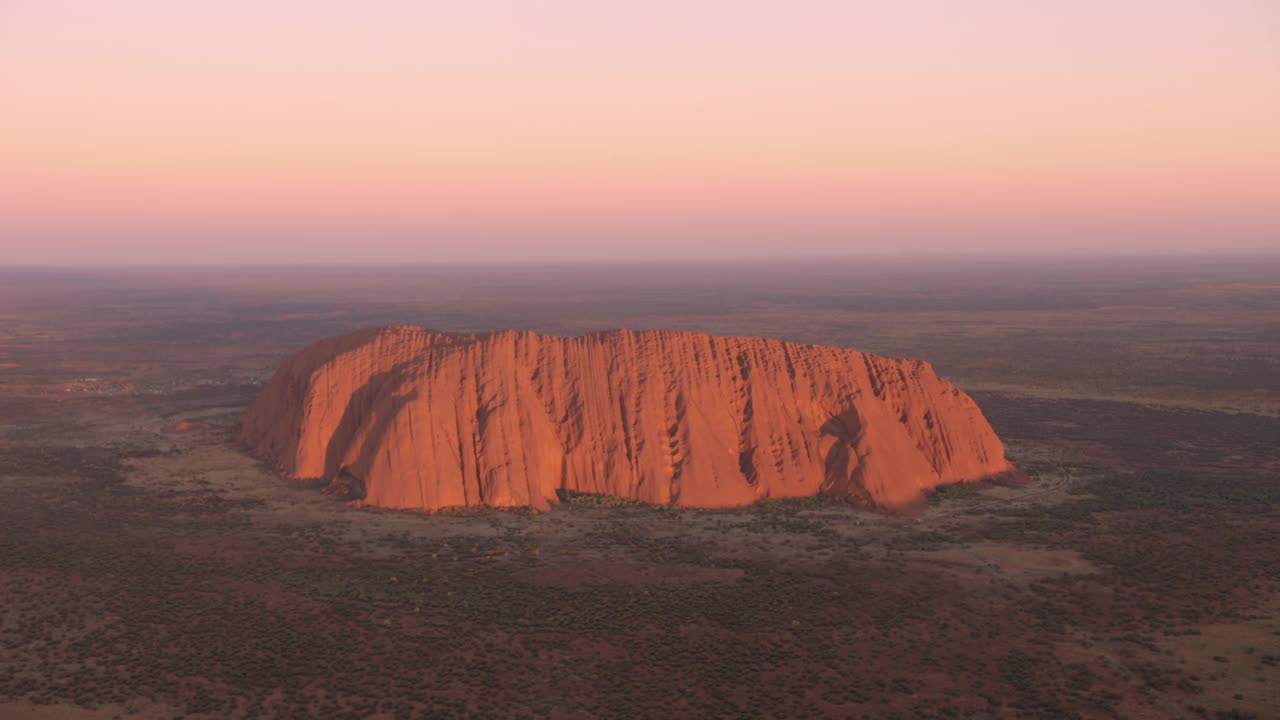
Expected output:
(405, 263)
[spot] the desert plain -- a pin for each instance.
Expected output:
(150, 567)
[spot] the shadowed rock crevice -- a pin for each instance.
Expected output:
(358, 412)
(840, 433)
(372, 440)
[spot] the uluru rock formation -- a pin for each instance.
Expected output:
(405, 417)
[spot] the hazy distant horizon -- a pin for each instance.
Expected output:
(830, 262)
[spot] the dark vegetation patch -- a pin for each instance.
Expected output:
(953, 492)
(1133, 436)
(574, 498)
(1176, 549)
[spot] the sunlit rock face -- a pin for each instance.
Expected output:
(405, 417)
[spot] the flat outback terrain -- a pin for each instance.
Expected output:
(151, 568)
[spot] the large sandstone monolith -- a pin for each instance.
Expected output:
(405, 417)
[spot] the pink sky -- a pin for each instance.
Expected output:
(159, 131)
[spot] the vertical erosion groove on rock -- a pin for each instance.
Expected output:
(406, 417)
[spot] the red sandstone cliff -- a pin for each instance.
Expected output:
(414, 418)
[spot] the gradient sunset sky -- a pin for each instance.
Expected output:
(277, 130)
